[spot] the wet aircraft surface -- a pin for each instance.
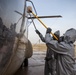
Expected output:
(36, 65)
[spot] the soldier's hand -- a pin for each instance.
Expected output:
(47, 59)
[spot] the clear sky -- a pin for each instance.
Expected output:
(65, 8)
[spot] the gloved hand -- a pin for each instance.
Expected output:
(37, 32)
(47, 59)
(48, 30)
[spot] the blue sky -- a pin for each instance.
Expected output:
(65, 8)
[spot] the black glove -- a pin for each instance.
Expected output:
(48, 30)
(37, 32)
(47, 59)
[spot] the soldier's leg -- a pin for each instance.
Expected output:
(54, 67)
(46, 69)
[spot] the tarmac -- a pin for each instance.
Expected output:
(35, 65)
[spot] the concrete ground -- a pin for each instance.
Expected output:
(36, 65)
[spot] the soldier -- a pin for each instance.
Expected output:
(65, 50)
(50, 62)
